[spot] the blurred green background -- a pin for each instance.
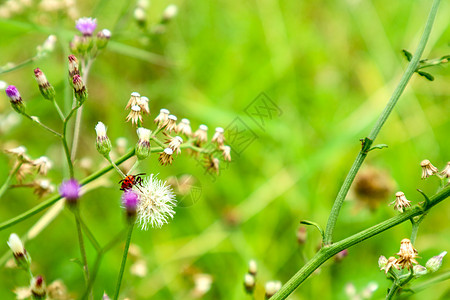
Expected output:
(329, 66)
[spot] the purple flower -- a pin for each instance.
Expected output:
(130, 202)
(70, 190)
(86, 26)
(13, 94)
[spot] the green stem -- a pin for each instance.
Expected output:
(415, 228)
(89, 234)
(421, 286)
(76, 213)
(35, 120)
(136, 164)
(55, 198)
(398, 284)
(328, 251)
(412, 67)
(115, 166)
(6, 185)
(60, 113)
(124, 260)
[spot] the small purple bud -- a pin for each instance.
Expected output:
(130, 202)
(13, 94)
(70, 190)
(341, 255)
(86, 26)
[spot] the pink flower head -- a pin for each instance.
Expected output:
(86, 26)
(130, 201)
(70, 190)
(13, 94)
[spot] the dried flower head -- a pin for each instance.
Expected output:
(201, 134)
(42, 165)
(400, 202)
(171, 123)
(134, 100)
(70, 189)
(218, 136)
(156, 202)
(428, 169)
(15, 99)
(446, 171)
(18, 152)
(143, 145)
(212, 164)
(184, 127)
(86, 26)
(162, 117)
(38, 288)
(175, 144)
(407, 254)
(166, 157)
(226, 152)
(143, 103)
(135, 115)
(43, 187)
(25, 169)
(390, 263)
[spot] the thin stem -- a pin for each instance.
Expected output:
(35, 120)
(136, 164)
(412, 67)
(157, 141)
(116, 167)
(60, 113)
(124, 260)
(76, 213)
(64, 140)
(415, 228)
(421, 286)
(328, 251)
(90, 235)
(398, 284)
(7, 182)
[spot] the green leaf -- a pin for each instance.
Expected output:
(306, 222)
(407, 54)
(426, 75)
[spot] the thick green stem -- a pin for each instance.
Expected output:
(412, 67)
(328, 251)
(124, 260)
(7, 182)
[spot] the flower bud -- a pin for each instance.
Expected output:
(73, 66)
(47, 90)
(249, 283)
(252, 267)
(143, 145)
(419, 271)
(103, 38)
(341, 255)
(102, 143)
(70, 190)
(21, 256)
(130, 201)
(434, 263)
(38, 288)
(271, 288)
(169, 13)
(15, 99)
(79, 89)
(382, 262)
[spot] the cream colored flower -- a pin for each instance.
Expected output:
(166, 157)
(218, 136)
(175, 144)
(161, 119)
(184, 127)
(135, 115)
(226, 152)
(446, 171)
(42, 164)
(407, 254)
(428, 169)
(201, 134)
(171, 123)
(134, 100)
(400, 202)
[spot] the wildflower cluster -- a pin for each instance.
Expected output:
(406, 260)
(85, 44)
(24, 167)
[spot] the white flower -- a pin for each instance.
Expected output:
(16, 245)
(156, 202)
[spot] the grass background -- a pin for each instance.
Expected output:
(330, 67)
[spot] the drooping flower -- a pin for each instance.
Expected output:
(201, 134)
(184, 127)
(175, 144)
(218, 136)
(135, 115)
(143, 104)
(226, 152)
(42, 164)
(133, 100)
(400, 202)
(427, 169)
(171, 123)
(86, 26)
(166, 157)
(70, 189)
(156, 202)
(162, 118)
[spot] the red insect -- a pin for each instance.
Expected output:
(130, 181)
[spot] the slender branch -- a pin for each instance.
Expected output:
(124, 260)
(328, 251)
(7, 182)
(58, 109)
(108, 158)
(76, 213)
(412, 67)
(35, 120)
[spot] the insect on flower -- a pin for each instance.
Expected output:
(130, 181)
